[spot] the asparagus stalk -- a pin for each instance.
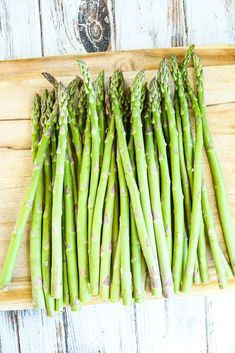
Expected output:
(59, 302)
(82, 215)
(215, 167)
(53, 150)
(95, 151)
(72, 118)
(155, 100)
(124, 234)
(66, 293)
(115, 229)
(196, 221)
(148, 252)
(115, 287)
(155, 198)
(36, 116)
(36, 220)
(26, 207)
(202, 242)
(187, 195)
(98, 210)
(56, 270)
(100, 104)
(136, 253)
(196, 272)
(178, 202)
(46, 230)
(81, 110)
(183, 169)
(165, 124)
(189, 146)
(70, 249)
(141, 166)
(106, 245)
(73, 174)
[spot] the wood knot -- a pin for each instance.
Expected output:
(94, 25)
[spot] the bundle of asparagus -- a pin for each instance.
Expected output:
(117, 198)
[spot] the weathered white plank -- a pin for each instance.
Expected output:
(147, 24)
(151, 326)
(176, 325)
(38, 333)
(210, 22)
(20, 29)
(101, 328)
(75, 26)
(171, 23)
(8, 332)
(186, 323)
(60, 27)
(220, 312)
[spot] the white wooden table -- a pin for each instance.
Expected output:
(30, 28)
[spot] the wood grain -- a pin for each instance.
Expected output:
(15, 146)
(165, 318)
(76, 26)
(19, 29)
(9, 336)
(111, 329)
(94, 25)
(210, 22)
(220, 313)
(167, 27)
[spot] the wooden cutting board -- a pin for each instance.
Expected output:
(21, 79)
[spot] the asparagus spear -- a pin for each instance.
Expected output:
(98, 210)
(155, 100)
(155, 198)
(141, 167)
(106, 245)
(53, 148)
(59, 302)
(56, 270)
(124, 234)
(148, 252)
(72, 119)
(36, 219)
(81, 110)
(115, 287)
(26, 206)
(100, 104)
(183, 170)
(187, 196)
(46, 231)
(189, 146)
(165, 124)
(215, 167)
(136, 253)
(74, 174)
(82, 216)
(95, 151)
(115, 229)
(176, 179)
(196, 194)
(66, 293)
(70, 235)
